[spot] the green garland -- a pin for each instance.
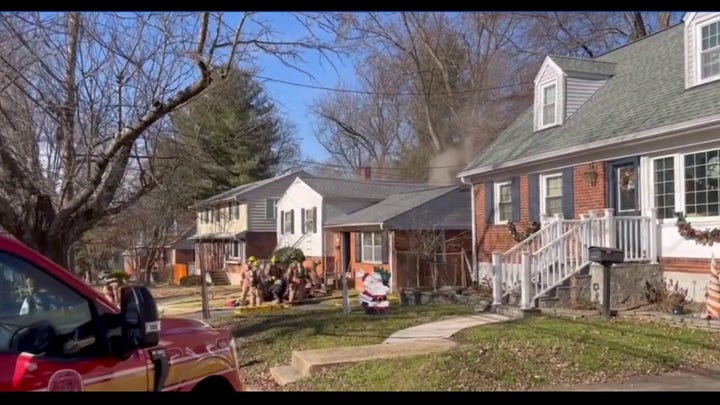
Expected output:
(706, 237)
(521, 236)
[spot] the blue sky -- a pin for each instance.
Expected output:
(295, 101)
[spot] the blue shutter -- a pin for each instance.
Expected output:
(489, 202)
(315, 220)
(515, 197)
(302, 221)
(282, 222)
(385, 248)
(568, 190)
(358, 247)
(534, 197)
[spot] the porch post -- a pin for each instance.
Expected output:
(610, 234)
(497, 278)
(653, 237)
(525, 281)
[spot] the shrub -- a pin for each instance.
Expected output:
(120, 276)
(666, 296)
(289, 254)
(190, 281)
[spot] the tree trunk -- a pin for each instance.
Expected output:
(53, 247)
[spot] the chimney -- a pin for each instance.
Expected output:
(366, 173)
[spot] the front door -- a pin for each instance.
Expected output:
(624, 196)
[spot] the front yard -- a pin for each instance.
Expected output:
(267, 339)
(533, 354)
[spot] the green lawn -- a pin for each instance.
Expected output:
(267, 340)
(536, 353)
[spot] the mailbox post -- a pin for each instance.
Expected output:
(607, 257)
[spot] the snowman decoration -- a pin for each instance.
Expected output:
(374, 296)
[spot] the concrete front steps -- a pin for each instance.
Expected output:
(430, 338)
(308, 362)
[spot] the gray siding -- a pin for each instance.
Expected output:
(451, 211)
(335, 207)
(257, 221)
(578, 91)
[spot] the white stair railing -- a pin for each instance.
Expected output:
(559, 250)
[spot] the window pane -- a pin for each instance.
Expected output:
(505, 193)
(377, 251)
(702, 176)
(549, 95)
(664, 178)
(553, 205)
(626, 190)
(377, 239)
(368, 254)
(505, 211)
(29, 295)
(367, 239)
(710, 63)
(554, 186)
(548, 114)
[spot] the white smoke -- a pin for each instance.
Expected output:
(445, 166)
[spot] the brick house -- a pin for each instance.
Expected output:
(310, 202)
(390, 233)
(622, 141)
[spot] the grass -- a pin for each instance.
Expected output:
(266, 340)
(532, 354)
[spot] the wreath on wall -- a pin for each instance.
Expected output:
(521, 236)
(706, 237)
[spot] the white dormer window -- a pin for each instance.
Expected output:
(549, 104)
(702, 48)
(710, 51)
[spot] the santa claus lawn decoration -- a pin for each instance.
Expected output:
(374, 295)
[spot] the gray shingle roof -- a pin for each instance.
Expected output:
(424, 207)
(646, 92)
(580, 65)
(245, 188)
(358, 189)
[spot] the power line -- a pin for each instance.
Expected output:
(334, 165)
(339, 90)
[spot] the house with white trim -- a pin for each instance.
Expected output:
(611, 149)
(310, 202)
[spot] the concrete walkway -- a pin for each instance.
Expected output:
(429, 338)
(443, 329)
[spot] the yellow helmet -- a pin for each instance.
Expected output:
(252, 259)
(273, 260)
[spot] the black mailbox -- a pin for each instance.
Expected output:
(606, 256)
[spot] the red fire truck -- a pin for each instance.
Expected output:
(59, 334)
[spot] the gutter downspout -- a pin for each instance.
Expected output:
(475, 269)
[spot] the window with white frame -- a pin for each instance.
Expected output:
(549, 104)
(503, 202)
(664, 186)
(234, 211)
(710, 50)
(310, 220)
(701, 183)
(288, 222)
(688, 183)
(271, 208)
(551, 191)
(372, 247)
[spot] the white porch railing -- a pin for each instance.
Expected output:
(560, 248)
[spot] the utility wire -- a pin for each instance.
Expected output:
(339, 90)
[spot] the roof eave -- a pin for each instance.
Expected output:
(667, 130)
(356, 227)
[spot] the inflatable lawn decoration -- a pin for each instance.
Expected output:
(374, 295)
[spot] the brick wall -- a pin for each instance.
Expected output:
(496, 238)
(184, 256)
(685, 265)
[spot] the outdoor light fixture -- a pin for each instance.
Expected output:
(591, 175)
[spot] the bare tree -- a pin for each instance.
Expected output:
(437, 81)
(86, 98)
